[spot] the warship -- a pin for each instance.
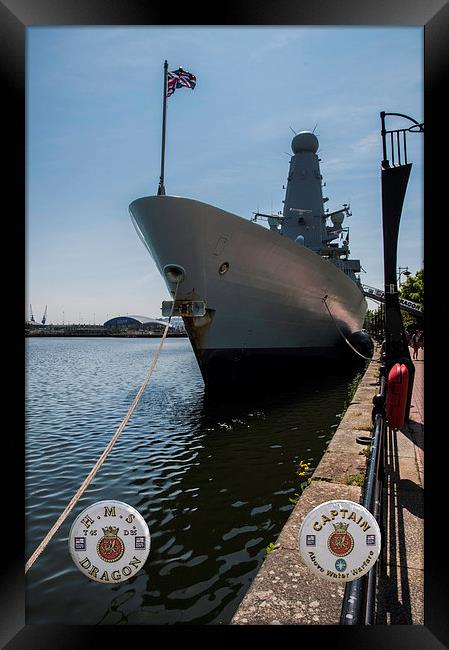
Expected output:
(256, 297)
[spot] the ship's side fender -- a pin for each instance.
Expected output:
(397, 391)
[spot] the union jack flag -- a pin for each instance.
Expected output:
(179, 78)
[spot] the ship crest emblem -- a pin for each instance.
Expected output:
(110, 547)
(340, 542)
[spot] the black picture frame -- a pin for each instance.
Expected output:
(15, 17)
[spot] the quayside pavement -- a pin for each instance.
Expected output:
(401, 583)
(285, 592)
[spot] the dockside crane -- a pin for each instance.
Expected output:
(31, 315)
(44, 317)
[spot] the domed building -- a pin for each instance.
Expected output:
(135, 323)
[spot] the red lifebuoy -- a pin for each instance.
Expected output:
(397, 391)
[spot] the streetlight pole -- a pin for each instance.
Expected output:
(402, 271)
(394, 179)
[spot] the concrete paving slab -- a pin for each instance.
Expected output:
(346, 441)
(285, 592)
(358, 416)
(397, 468)
(404, 446)
(415, 432)
(406, 470)
(365, 393)
(338, 468)
(400, 597)
(406, 542)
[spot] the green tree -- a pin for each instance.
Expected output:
(413, 288)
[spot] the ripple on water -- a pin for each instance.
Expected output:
(212, 479)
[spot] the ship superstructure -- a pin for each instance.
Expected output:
(304, 218)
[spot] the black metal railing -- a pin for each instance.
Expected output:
(375, 324)
(359, 601)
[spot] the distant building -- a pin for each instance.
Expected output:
(135, 322)
(176, 322)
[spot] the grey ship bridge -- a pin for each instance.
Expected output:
(407, 305)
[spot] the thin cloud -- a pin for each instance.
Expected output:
(276, 42)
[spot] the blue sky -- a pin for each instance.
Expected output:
(94, 114)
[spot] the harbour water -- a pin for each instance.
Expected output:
(212, 476)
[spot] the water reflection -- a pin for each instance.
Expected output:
(211, 475)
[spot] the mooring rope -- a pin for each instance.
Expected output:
(106, 450)
(344, 337)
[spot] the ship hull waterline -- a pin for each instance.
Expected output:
(278, 305)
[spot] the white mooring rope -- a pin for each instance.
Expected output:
(344, 337)
(106, 450)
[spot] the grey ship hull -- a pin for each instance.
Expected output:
(267, 308)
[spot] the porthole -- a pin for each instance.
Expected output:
(223, 268)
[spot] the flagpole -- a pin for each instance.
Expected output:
(161, 188)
